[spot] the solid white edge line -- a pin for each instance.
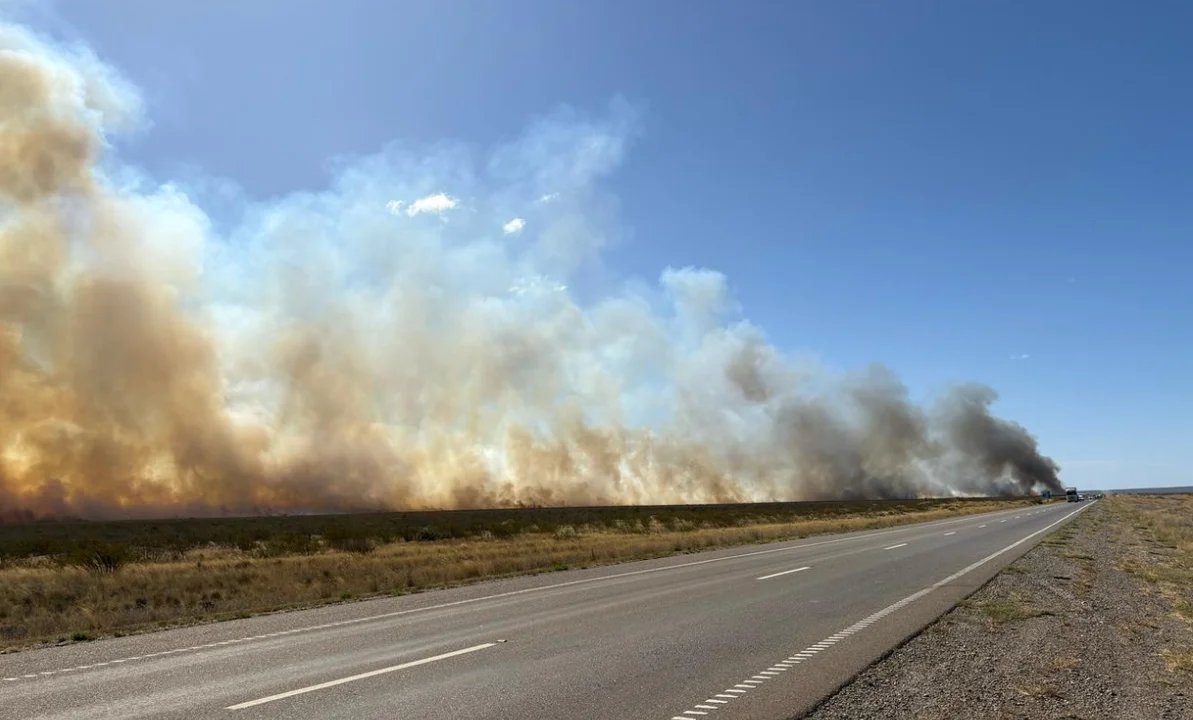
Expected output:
(991, 556)
(899, 604)
(892, 547)
(785, 572)
(361, 676)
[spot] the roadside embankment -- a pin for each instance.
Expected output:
(1095, 622)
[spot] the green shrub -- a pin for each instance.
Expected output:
(287, 544)
(101, 557)
(348, 539)
(428, 534)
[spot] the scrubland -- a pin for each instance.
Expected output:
(79, 580)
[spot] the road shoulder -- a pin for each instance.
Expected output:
(1079, 627)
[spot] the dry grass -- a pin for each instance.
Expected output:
(1065, 662)
(1179, 661)
(1037, 690)
(1164, 556)
(1165, 523)
(1012, 609)
(44, 601)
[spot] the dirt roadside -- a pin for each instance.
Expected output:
(1094, 622)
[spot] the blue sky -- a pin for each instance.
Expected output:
(989, 191)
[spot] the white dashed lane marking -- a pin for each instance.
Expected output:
(469, 601)
(892, 547)
(785, 572)
(810, 652)
(361, 676)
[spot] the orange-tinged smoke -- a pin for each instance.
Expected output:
(390, 344)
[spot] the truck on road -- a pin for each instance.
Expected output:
(1071, 495)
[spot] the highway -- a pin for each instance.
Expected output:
(760, 631)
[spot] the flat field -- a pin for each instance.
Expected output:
(78, 580)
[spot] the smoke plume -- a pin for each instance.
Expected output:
(427, 332)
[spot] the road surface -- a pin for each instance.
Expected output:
(761, 631)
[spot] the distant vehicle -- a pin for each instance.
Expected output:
(1071, 495)
(1080, 498)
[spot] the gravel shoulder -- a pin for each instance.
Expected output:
(1092, 623)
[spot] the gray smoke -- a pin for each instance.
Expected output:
(408, 338)
(989, 447)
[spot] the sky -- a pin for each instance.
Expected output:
(960, 191)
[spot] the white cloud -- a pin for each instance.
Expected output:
(394, 206)
(1021, 356)
(549, 197)
(513, 227)
(536, 284)
(436, 204)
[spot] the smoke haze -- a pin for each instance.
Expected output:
(423, 333)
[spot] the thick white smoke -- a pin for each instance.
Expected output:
(410, 337)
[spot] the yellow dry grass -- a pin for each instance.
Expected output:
(1165, 522)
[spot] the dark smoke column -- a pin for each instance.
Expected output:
(994, 448)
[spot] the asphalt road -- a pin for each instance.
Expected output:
(761, 631)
